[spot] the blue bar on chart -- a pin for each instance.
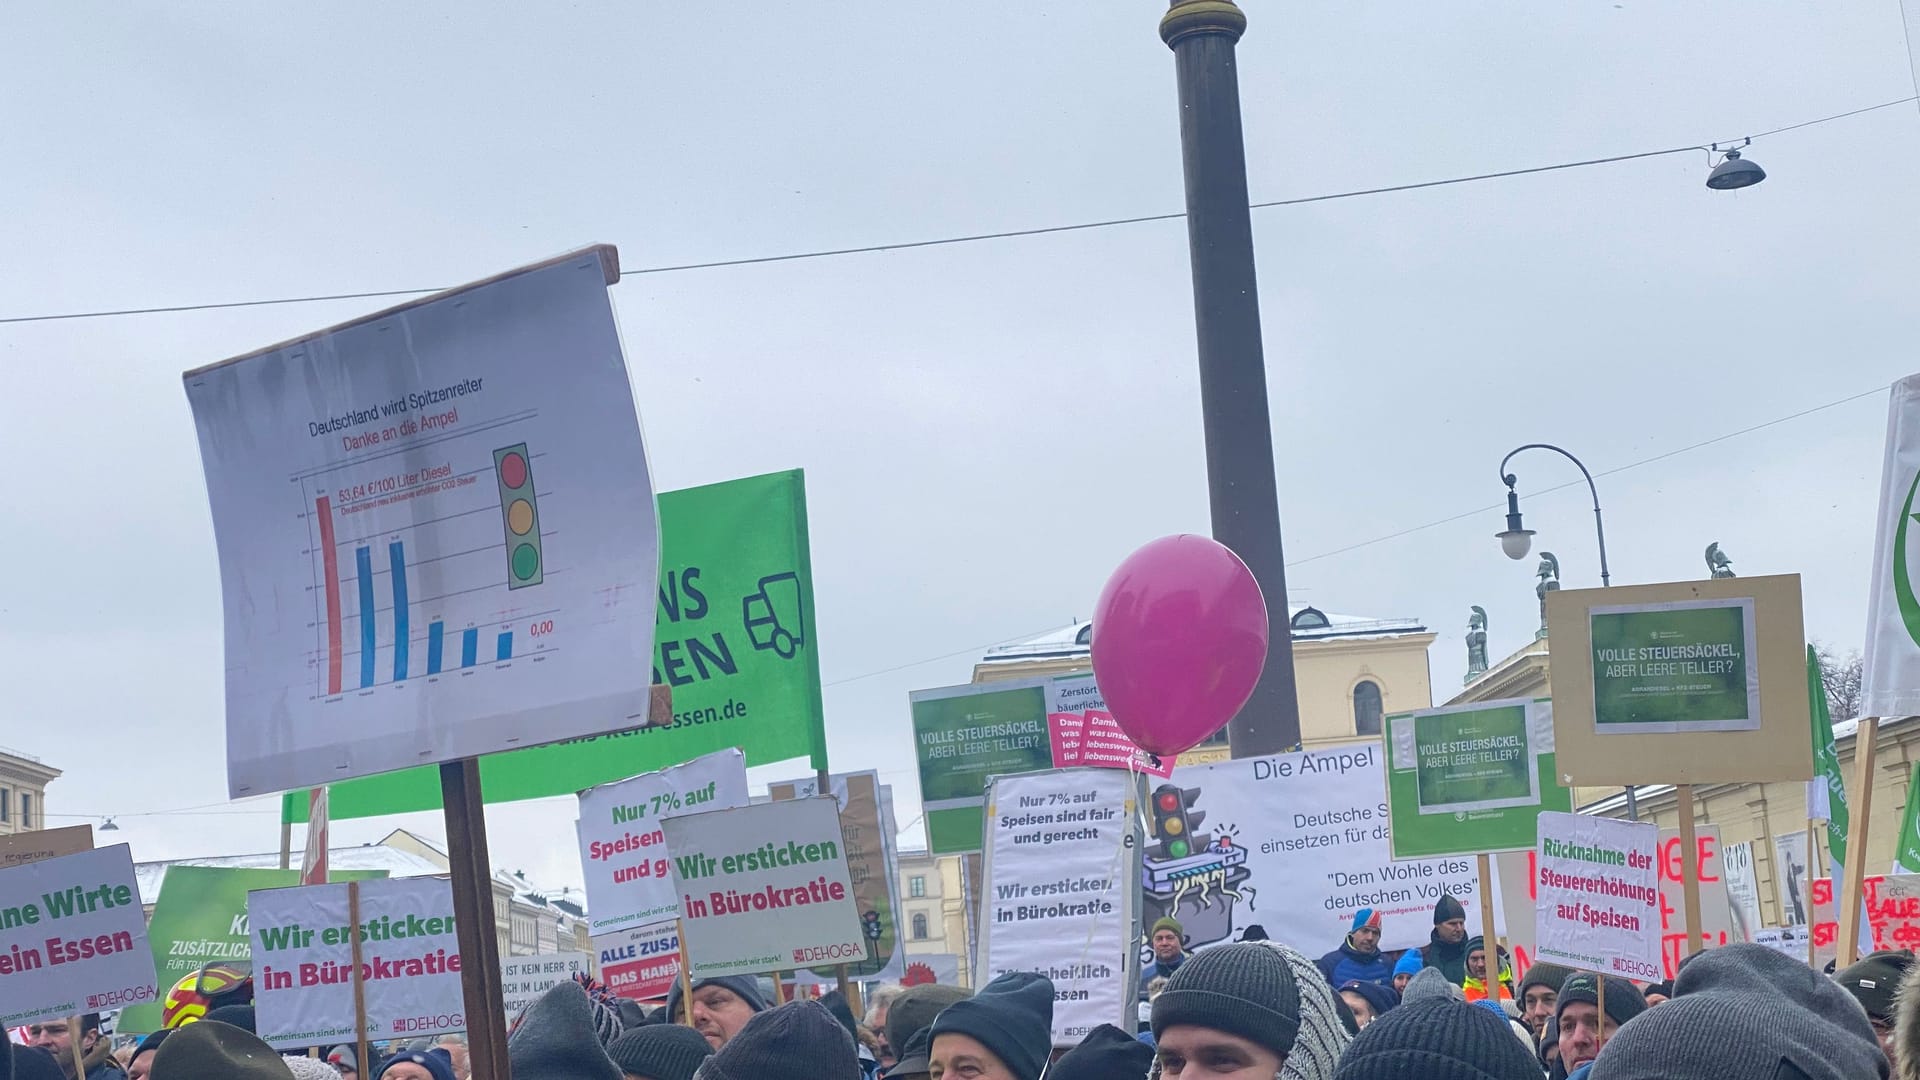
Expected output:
(363, 565)
(469, 646)
(397, 561)
(435, 631)
(505, 650)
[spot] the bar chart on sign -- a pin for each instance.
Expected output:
(427, 561)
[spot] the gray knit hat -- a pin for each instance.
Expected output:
(1547, 975)
(1246, 989)
(558, 1039)
(1323, 1036)
(660, 1052)
(1743, 1011)
(797, 1041)
(1431, 985)
(1437, 1040)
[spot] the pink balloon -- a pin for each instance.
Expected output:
(1179, 639)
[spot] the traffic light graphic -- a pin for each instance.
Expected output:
(1174, 824)
(775, 617)
(520, 516)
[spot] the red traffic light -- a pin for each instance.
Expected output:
(1169, 801)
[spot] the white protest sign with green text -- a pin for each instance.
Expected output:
(73, 939)
(623, 851)
(1470, 779)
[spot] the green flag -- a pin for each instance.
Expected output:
(1826, 792)
(1906, 859)
(734, 639)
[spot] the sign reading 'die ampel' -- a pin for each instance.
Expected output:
(622, 848)
(72, 937)
(764, 888)
(1599, 895)
(303, 960)
(1060, 886)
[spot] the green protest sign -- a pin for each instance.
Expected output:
(1675, 667)
(734, 639)
(964, 734)
(1470, 779)
(201, 916)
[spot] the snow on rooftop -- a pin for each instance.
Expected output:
(1308, 622)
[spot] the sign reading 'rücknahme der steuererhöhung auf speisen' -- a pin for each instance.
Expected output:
(1673, 667)
(1598, 903)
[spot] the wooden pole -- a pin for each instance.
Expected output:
(74, 1035)
(686, 973)
(1815, 850)
(1860, 810)
(359, 982)
(473, 919)
(1689, 866)
(1600, 1008)
(779, 988)
(1489, 940)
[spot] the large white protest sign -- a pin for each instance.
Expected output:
(623, 851)
(436, 531)
(304, 971)
(764, 887)
(1060, 885)
(1743, 890)
(73, 938)
(1295, 843)
(524, 978)
(640, 964)
(865, 810)
(1599, 895)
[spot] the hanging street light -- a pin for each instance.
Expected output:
(1734, 172)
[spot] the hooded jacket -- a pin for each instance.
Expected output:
(1348, 964)
(1450, 959)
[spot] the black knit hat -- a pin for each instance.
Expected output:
(1743, 1010)
(1447, 910)
(913, 1060)
(1547, 975)
(211, 1048)
(660, 1052)
(1011, 1016)
(1873, 980)
(746, 987)
(1106, 1053)
(1243, 989)
(1379, 998)
(558, 1039)
(797, 1041)
(152, 1042)
(917, 1009)
(1437, 1040)
(1624, 1001)
(32, 1063)
(240, 1016)
(836, 1003)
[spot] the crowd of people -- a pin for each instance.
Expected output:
(1253, 1009)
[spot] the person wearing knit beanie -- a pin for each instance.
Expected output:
(1237, 1003)
(1740, 1011)
(916, 1009)
(1430, 983)
(417, 1065)
(1477, 985)
(913, 1062)
(1657, 993)
(660, 1052)
(721, 1006)
(1447, 947)
(213, 1049)
(1005, 1030)
(1358, 958)
(1872, 982)
(1582, 1030)
(797, 1041)
(1106, 1053)
(31, 1063)
(1405, 968)
(141, 1063)
(558, 1038)
(1169, 942)
(1368, 1000)
(1437, 1039)
(1538, 992)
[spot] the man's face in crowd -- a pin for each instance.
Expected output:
(1884, 1030)
(1187, 1052)
(1166, 945)
(1362, 1012)
(1453, 931)
(1655, 998)
(962, 1057)
(57, 1036)
(141, 1064)
(1477, 964)
(1537, 1008)
(1400, 982)
(1580, 1034)
(406, 1070)
(719, 1014)
(1367, 939)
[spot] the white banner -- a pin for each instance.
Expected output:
(436, 532)
(1295, 843)
(73, 938)
(1743, 890)
(524, 978)
(1890, 683)
(303, 960)
(764, 888)
(623, 851)
(866, 823)
(1599, 895)
(1059, 884)
(1790, 876)
(1790, 940)
(640, 964)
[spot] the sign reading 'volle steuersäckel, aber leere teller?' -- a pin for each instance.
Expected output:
(1670, 667)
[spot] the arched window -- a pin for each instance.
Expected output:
(1310, 618)
(1366, 709)
(919, 927)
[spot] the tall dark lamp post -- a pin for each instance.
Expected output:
(1233, 374)
(1516, 540)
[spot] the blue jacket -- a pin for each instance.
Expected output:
(1347, 964)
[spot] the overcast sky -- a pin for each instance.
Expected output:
(987, 429)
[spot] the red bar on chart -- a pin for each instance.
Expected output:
(330, 563)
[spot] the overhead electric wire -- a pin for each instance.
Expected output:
(970, 238)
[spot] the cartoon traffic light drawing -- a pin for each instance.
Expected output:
(775, 617)
(1173, 823)
(1191, 875)
(520, 516)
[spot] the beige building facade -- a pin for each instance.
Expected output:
(933, 909)
(23, 792)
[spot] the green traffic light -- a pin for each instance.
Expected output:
(1177, 848)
